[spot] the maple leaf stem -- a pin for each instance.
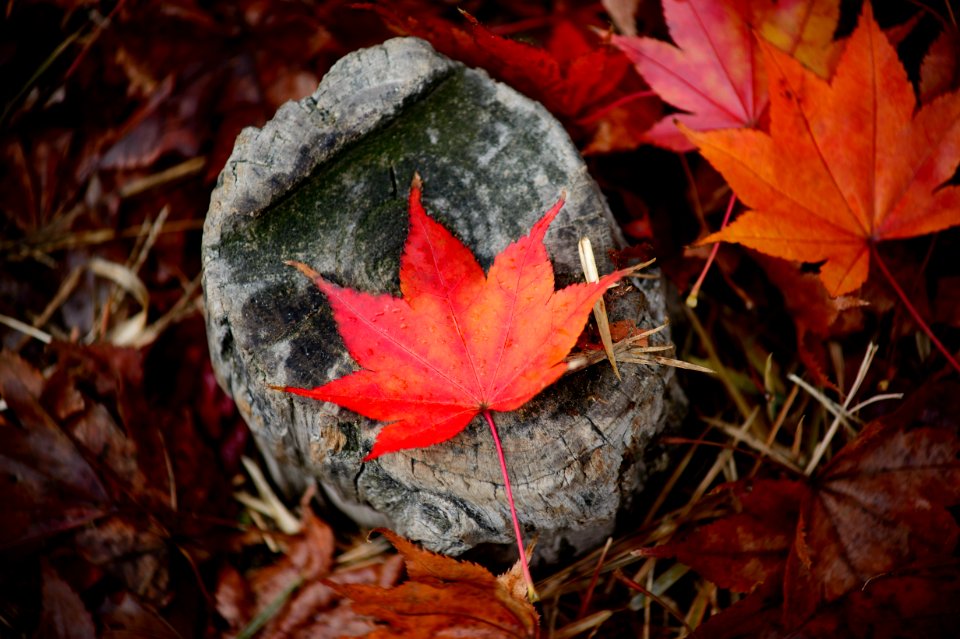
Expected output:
(531, 591)
(695, 291)
(912, 310)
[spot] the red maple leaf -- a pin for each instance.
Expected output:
(588, 85)
(715, 73)
(458, 343)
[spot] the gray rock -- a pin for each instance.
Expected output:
(325, 182)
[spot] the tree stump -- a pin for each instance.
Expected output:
(325, 182)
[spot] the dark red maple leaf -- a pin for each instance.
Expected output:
(583, 80)
(879, 506)
(748, 546)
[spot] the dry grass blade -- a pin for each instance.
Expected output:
(721, 371)
(842, 413)
(113, 326)
(589, 265)
(145, 240)
(777, 425)
(268, 503)
(364, 552)
(581, 626)
(585, 604)
(739, 435)
(184, 169)
(188, 304)
(633, 585)
(658, 586)
(671, 482)
(722, 459)
(63, 292)
(40, 245)
(629, 350)
(26, 329)
(125, 332)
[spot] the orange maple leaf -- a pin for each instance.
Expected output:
(444, 597)
(847, 164)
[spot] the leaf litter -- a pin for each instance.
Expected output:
(103, 534)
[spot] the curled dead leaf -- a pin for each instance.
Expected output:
(445, 597)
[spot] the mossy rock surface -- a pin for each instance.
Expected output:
(325, 182)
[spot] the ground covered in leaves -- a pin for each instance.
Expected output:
(813, 488)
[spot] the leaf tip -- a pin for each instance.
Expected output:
(303, 268)
(416, 183)
(539, 230)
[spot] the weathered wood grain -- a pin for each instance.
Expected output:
(325, 182)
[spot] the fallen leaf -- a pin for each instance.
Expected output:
(62, 613)
(878, 507)
(749, 546)
(919, 602)
(581, 79)
(880, 504)
(458, 342)
(623, 14)
(125, 617)
(715, 72)
(445, 597)
(939, 72)
(816, 315)
(91, 484)
(847, 164)
(130, 549)
(308, 557)
(297, 595)
(51, 487)
(911, 604)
